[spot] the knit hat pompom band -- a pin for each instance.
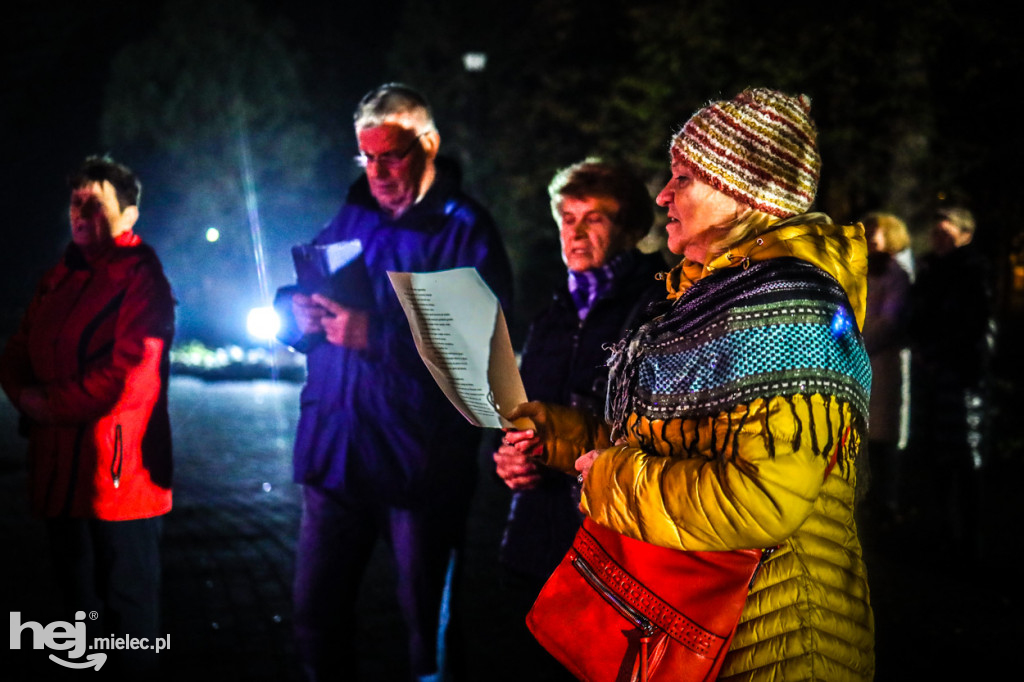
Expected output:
(760, 148)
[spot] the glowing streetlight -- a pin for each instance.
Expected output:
(263, 323)
(474, 61)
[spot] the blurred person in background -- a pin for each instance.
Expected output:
(953, 334)
(888, 234)
(602, 211)
(886, 325)
(88, 370)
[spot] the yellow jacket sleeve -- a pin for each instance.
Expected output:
(566, 432)
(749, 479)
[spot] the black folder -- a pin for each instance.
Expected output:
(337, 271)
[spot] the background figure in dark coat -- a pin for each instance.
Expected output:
(380, 452)
(886, 325)
(603, 211)
(953, 332)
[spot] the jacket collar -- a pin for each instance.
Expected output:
(77, 259)
(839, 250)
(433, 202)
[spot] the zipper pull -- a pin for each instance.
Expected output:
(765, 555)
(118, 459)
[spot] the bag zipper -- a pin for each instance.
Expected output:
(646, 626)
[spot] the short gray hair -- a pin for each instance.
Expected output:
(392, 101)
(959, 216)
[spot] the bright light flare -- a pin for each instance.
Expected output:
(212, 235)
(263, 323)
(474, 61)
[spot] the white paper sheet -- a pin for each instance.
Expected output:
(462, 337)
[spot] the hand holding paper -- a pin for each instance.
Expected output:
(462, 337)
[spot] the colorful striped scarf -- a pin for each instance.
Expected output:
(780, 327)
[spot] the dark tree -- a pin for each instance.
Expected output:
(211, 109)
(902, 93)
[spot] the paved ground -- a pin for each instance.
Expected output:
(228, 558)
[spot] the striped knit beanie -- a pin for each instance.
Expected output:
(758, 148)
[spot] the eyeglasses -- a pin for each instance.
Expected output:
(390, 159)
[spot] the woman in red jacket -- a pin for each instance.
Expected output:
(88, 371)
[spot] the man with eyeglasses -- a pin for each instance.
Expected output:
(380, 451)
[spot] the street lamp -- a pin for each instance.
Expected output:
(474, 61)
(263, 323)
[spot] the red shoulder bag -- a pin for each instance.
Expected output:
(622, 610)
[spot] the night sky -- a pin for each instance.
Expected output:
(56, 64)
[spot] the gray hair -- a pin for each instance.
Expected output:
(392, 101)
(959, 216)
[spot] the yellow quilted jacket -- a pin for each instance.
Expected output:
(752, 475)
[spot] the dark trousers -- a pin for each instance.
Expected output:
(336, 539)
(885, 479)
(528, 659)
(112, 569)
(950, 442)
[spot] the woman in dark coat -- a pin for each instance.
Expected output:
(602, 211)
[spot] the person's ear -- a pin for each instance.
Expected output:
(129, 217)
(431, 143)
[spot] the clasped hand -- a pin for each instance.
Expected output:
(516, 464)
(342, 326)
(514, 459)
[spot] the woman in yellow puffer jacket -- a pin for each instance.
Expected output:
(736, 413)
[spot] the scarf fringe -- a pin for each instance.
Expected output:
(681, 437)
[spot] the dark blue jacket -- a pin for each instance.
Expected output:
(374, 422)
(564, 363)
